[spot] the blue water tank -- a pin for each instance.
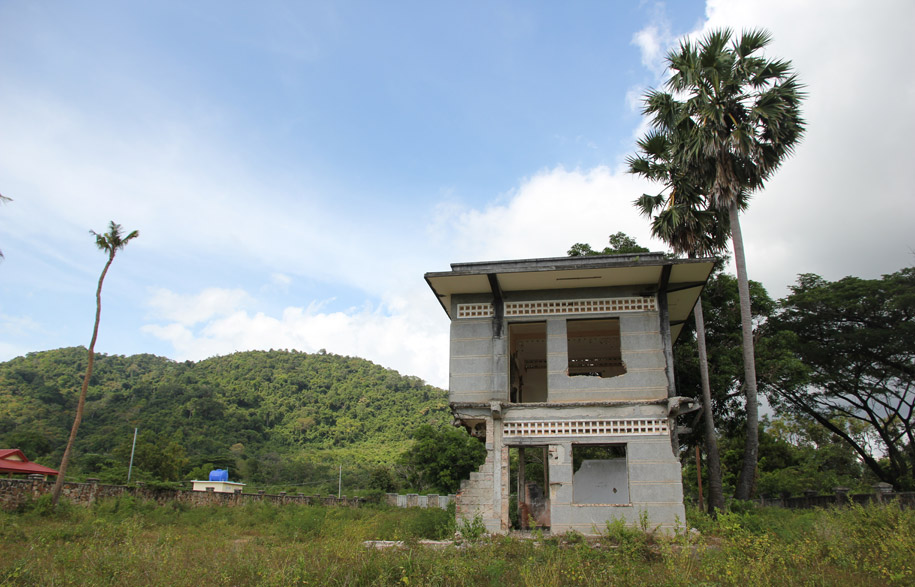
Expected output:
(219, 475)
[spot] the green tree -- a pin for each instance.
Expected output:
(620, 244)
(111, 242)
(686, 221)
(735, 116)
(441, 456)
(848, 356)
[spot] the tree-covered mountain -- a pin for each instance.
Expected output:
(270, 415)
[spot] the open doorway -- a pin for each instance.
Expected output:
(530, 482)
(527, 350)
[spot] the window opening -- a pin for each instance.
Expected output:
(527, 364)
(594, 348)
(600, 474)
(529, 476)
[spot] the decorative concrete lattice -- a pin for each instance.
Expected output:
(594, 306)
(555, 307)
(556, 428)
(474, 311)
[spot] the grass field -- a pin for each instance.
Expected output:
(124, 542)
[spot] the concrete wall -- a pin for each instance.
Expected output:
(480, 375)
(655, 487)
(479, 367)
(15, 493)
(413, 500)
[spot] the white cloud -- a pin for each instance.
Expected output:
(843, 204)
(654, 40)
(188, 310)
(550, 212)
(408, 330)
(406, 338)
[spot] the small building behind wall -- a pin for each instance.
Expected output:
(564, 367)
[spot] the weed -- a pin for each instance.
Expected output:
(472, 530)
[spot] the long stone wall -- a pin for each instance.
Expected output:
(14, 493)
(414, 500)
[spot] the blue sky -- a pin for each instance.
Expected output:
(295, 168)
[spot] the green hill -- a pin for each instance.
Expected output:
(271, 416)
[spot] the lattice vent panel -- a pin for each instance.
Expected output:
(594, 306)
(559, 307)
(474, 311)
(572, 428)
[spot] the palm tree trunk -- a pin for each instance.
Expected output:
(746, 482)
(715, 487)
(59, 483)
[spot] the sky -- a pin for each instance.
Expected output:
(294, 168)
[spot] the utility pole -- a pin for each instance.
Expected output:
(699, 477)
(132, 448)
(340, 483)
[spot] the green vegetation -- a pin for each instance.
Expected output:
(729, 119)
(271, 417)
(442, 457)
(846, 351)
(121, 542)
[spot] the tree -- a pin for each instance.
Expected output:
(690, 226)
(737, 117)
(620, 244)
(111, 242)
(441, 456)
(848, 361)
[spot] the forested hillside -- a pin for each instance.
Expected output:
(270, 416)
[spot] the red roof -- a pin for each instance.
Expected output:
(12, 460)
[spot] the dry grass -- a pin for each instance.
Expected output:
(128, 543)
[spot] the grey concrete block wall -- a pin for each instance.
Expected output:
(480, 372)
(479, 365)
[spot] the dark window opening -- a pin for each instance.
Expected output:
(530, 499)
(527, 365)
(600, 474)
(595, 348)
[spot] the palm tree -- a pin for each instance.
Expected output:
(686, 222)
(111, 242)
(738, 117)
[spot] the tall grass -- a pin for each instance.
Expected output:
(128, 542)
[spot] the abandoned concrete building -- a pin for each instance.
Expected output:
(564, 368)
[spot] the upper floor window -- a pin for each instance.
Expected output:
(594, 347)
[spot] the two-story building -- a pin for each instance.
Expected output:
(564, 368)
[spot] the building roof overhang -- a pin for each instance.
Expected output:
(13, 460)
(682, 279)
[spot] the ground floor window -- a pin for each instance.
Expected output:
(600, 474)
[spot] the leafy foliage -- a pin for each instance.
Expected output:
(269, 416)
(442, 456)
(847, 357)
(620, 244)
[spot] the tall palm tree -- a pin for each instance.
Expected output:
(111, 242)
(738, 117)
(686, 222)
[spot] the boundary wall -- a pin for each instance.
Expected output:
(14, 493)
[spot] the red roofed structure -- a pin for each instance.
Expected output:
(14, 462)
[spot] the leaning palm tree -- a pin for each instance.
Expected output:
(738, 117)
(111, 242)
(686, 222)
